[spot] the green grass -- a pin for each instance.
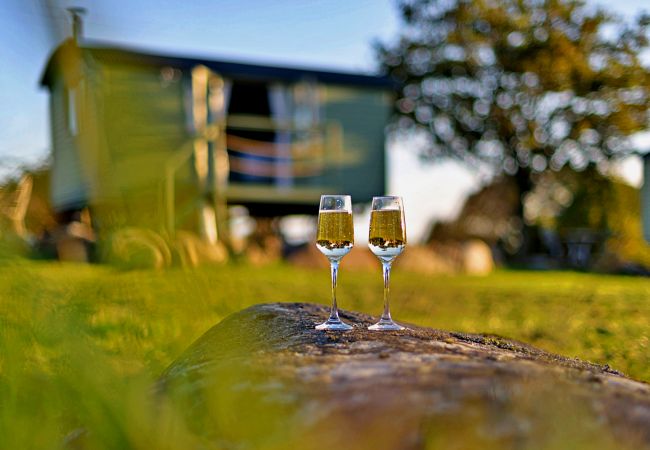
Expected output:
(81, 345)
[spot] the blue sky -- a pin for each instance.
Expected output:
(334, 34)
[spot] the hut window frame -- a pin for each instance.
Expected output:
(72, 122)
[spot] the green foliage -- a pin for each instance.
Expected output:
(595, 203)
(522, 85)
(81, 346)
(612, 207)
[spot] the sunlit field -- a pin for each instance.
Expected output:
(80, 346)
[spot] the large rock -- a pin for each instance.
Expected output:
(477, 258)
(425, 260)
(265, 378)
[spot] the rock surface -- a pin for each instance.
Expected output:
(265, 378)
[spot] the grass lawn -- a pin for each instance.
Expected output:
(81, 345)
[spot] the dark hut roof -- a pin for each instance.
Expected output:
(230, 69)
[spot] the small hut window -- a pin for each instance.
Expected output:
(71, 109)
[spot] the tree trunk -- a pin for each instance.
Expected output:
(524, 186)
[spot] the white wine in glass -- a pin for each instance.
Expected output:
(387, 240)
(335, 239)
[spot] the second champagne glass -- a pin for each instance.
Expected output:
(335, 240)
(387, 240)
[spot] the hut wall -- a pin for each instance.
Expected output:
(144, 125)
(362, 114)
(68, 184)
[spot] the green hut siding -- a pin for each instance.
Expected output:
(69, 186)
(362, 114)
(144, 124)
(142, 127)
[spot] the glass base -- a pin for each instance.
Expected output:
(386, 325)
(334, 324)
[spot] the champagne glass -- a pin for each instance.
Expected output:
(335, 240)
(387, 240)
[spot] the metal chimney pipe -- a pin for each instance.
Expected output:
(76, 13)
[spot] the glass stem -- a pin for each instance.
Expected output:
(386, 270)
(334, 268)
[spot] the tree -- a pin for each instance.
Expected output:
(522, 85)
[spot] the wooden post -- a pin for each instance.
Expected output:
(220, 163)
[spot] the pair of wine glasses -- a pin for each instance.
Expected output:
(335, 239)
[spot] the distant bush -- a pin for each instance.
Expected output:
(613, 207)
